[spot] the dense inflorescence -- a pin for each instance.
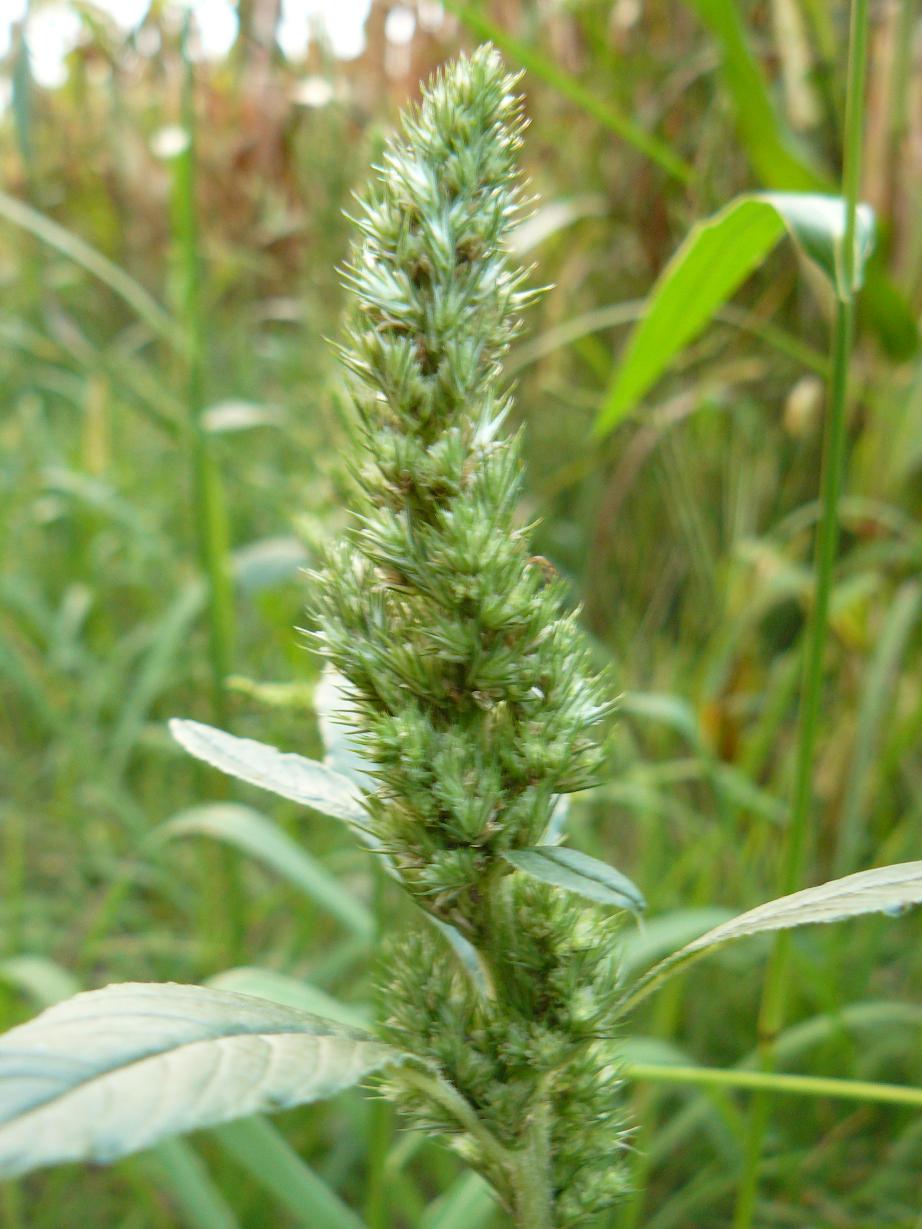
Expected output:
(472, 697)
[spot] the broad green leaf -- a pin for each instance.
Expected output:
(173, 1162)
(577, 872)
(113, 1071)
(254, 834)
(715, 259)
(816, 223)
(291, 776)
(886, 889)
(290, 992)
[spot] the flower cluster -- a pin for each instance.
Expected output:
(472, 697)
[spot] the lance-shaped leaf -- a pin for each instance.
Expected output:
(715, 259)
(291, 776)
(113, 1071)
(886, 889)
(577, 872)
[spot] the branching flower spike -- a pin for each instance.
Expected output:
(472, 697)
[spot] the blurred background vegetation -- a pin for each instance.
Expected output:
(171, 458)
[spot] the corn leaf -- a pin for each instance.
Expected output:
(714, 260)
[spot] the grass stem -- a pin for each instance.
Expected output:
(794, 859)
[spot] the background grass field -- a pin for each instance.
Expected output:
(172, 456)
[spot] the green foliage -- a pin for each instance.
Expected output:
(167, 1059)
(685, 537)
(713, 261)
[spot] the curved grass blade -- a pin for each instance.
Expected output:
(83, 254)
(260, 1149)
(254, 834)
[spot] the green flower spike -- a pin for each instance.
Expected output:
(470, 688)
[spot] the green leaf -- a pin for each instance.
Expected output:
(886, 889)
(270, 1159)
(816, 223)
(41, 979)
(290, 992)
(774, 153)
(254, 834)
(113, 1071)
(177, 1165)
(577, 872)
(290, 776)
(467, 1204)
(545, 69)
(714, 260)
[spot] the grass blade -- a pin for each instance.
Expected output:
(771, 1081)
(93, 262)
(254, 834)
(261, 1150)
(568, 87)
(772, 150)
(178, 1167)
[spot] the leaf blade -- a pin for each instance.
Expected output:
(255, 835)
(113, 1071)
(577, 872)
(289, 775)
(884, 889)
(716, 257)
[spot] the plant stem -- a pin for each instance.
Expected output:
(772, 1011)
(533, 1200)
(769, 1081)
(211, 517)
(208, 494)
